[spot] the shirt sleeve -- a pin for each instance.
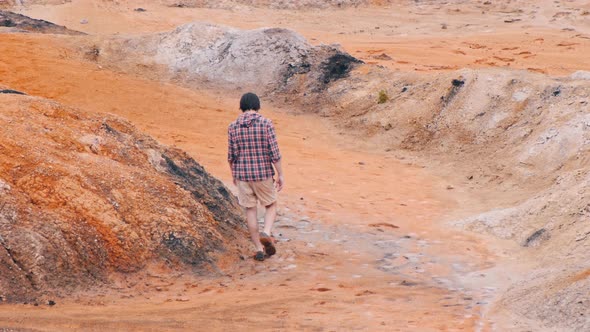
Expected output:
(232, 148)
(275, 154)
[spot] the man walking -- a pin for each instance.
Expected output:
(252, 152)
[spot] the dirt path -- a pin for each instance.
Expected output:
(363, 245)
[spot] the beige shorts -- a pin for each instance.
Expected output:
(263, 191)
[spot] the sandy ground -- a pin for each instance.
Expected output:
(353, 200)
(363, 240)
(552, 37)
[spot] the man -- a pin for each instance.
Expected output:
(252, 153)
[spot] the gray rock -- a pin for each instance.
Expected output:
(267, 59)
(581, 75)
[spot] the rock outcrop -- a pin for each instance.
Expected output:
(82, 197)
(275, 4)
(266, 60)
(519, 132)
(12, 3)
(22, 23)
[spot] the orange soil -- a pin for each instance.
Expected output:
(473, 37)
(330, 178)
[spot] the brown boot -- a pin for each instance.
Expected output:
(269, 244)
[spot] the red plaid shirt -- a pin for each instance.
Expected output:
(253, 147)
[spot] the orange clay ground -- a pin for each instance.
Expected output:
(363, 245)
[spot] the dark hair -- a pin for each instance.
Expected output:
(249, 102)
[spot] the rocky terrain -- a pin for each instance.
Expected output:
(85, 196)
(275, 4)
(197, 54)
(524, 131)
(508, 134)
(19, 23)
(15, 3)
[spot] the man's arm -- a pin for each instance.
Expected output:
(280, 178)
(231, 169)
(231, 153)
(275, 156)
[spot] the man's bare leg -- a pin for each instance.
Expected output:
(269, 218)
(251, 215)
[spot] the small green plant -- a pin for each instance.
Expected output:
(383, 97)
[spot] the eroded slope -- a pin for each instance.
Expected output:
(523, 134)
(208, 55)
(22, 23)
(275, 4)
(86, 196)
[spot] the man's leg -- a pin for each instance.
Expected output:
(266, 193)
(251, 215)
(269, 218)
(266, 238)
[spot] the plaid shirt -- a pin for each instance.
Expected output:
(253, 147)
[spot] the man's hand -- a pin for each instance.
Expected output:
(231, 170)
(280, 183)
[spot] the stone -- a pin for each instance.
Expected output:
(581, 75)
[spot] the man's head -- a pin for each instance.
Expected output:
(249, 102)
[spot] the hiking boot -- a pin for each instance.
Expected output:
(269, 244)
(259, 256)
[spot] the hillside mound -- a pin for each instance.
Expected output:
(521, 133)
(531, 123)
(275, 4)
(22, 23)
(12, 3)
(202, 54)
(82, 197)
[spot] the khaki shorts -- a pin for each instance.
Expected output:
(263, 191)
